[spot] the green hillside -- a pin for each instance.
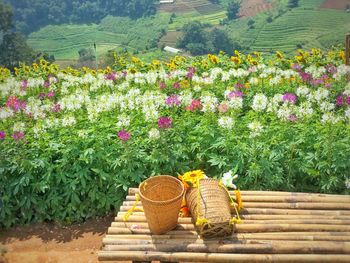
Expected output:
(279, 28)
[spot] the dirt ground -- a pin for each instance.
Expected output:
(49, 243)
(335, 4)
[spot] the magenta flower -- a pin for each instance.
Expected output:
(173, 100)
(47, 83)
(176, 85)
(331, 69)
(290, 97)
(348, 100)
(164, 123)
(162, 85)
(190, 72)
(2, 135)
(17, 136)
(293, 118)
(305, 76)
(235, 93)
(111, 76)
(124, 136)
(56, 107)
(15, 104)
(339, 100)
(50, 94)
(239, 86)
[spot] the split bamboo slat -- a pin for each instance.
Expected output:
(276, 227)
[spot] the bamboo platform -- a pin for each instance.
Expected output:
(277, 227)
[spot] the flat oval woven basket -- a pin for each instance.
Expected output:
(214, 207)
(161, 198)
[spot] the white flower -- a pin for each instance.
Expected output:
(82, 134)
(226, 122)
(347, 113)
(227, 179)
(19, 127)
(256, 128)
(302, 91)
(236, 103)
(197, 88)
(329, 117)
(209, 103)
(154, 134)
(259, 102)
(253, 81)
(326, 106)
(347, 183)
(123, 121)
(68, 121)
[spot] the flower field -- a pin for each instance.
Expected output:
(73, 141)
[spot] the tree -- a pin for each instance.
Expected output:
(221, 42)
(13, 46)
(233, 9)
(293, 3)
(195, 38)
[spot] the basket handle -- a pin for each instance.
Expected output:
(133, 209)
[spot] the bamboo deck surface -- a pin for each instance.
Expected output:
(277, 227)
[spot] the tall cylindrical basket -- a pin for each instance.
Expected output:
(161, 198)
(210, 208)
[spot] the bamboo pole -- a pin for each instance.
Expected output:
(186, 223)
(218, 258)
(299, 205)
(274, 211)
(284, 199)
(243, 228)
(133, 191)
(280, 247)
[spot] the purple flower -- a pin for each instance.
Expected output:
(15, 104)
(164, 123)
(348, 100)
(50, 94)
(235, 94)
(239, 86)
(331, 69)
(190, 72)
(296, 66)
(293, 118)
(2, 135)
(47, 83)
(24, 84)
(162, 85)
(56, 107)
(18, 136)
(173, 100)
(339, 100)
(290, 97)
(111, 76)
(42, 95)
(176, 85)
(305, 76)
(124, 136)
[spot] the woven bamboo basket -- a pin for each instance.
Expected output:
(214, 208)
(161, 198)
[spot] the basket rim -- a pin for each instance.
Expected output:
(167, 201)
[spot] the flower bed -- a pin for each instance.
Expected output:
(72, 142)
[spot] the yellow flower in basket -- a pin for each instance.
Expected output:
(190, 179)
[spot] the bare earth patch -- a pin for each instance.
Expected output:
(170, 38)
(253, 7)
(49, 243)
(335, 4)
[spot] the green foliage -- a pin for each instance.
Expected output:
(233, 9)
(33, 14)
(293, 3)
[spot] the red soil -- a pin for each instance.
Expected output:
(49, 243)
(253, 7)
(335, 4)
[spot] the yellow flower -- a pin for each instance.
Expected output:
(342, 55)
(214, 59)
(239, 199)
(279, 55)
(190, 179)
(236, 60)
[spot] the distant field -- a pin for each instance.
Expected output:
(336, 4)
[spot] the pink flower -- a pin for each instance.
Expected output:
(195, 104)
(47, 83)
(17, 136)
(24, 84)
(162, 85)
(176, 85)
(235, 93)
(15, 104)
(111, 76)
(290, 97)
(124, 136)
(173, 100)
(42, 95)
(50, 94)
(190, 72)
(56, 107)
(348, 100)
(2, 135)
(293, 118)
(223, 107)
(164, 123)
